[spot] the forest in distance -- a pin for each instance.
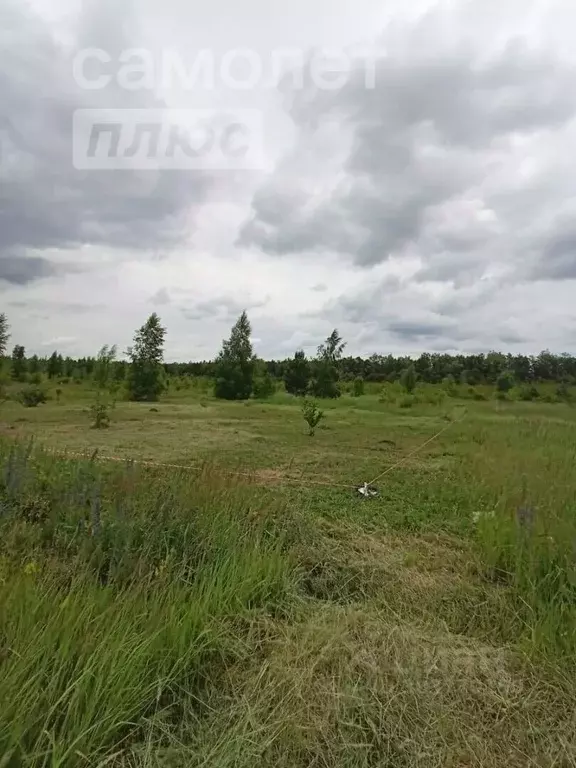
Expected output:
(432, 368)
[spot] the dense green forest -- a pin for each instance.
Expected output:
(237, 372)
(431, 368)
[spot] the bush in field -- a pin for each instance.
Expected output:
(358, 387)
(114, 389)
(31, 396)
(312, 415)
(388, 394)
(104, 366)
(406, 401)
(264, 386)
(430, 394)
(449, 386)
(408, 379)
(297, 374)
(324, 383)
(527, 393)
(504, 382)
(563, 392)
(100, 413)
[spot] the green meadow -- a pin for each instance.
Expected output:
(201, 584)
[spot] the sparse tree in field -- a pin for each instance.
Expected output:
(358, 387)
(32, 396)
(146, 375)
(324, 383)
(34, 365)
(297, 374)
(119, 371)
(408, 379)
(18, 362)
(68, 367)
(100, 408)
(235, 364)
(325, 380)
(100, 412)
(4, 334)
(312, 415)
(331, 350)
(104, 365)
(504, 382)
(563, 392)
(449, 384)
(55, 365)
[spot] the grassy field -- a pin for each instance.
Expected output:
(247, 607)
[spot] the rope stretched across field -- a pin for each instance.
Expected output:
(416, 450)
(187, 467)
(304, 481)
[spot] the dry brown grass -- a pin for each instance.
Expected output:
(347, 687)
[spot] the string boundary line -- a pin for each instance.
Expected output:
(417, 449)
(96, 456)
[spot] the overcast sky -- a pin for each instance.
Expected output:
(423, 200)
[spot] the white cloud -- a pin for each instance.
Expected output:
(435, 212)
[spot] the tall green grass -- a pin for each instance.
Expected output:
(526, 526)
(121, 592)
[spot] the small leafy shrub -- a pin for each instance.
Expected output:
(504, 382)
(476, 394)
(100, 413)
(408, 379)
(502, 396)
(36, 378)
(312, 415)
(324, 382)
(387, 394)
(449, 386)
(528, 392)
(430, 394)
(563, 392)
(358, 387)
(264, 386)
(31, 397)
(406, 401)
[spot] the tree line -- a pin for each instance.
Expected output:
(238, 373)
